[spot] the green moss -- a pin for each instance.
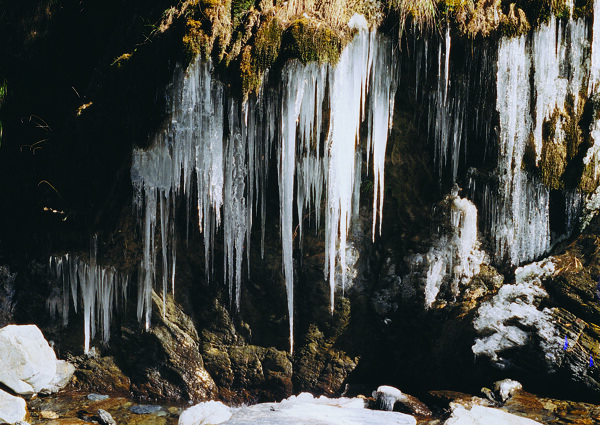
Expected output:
(310, 42)
(261, 56)
(195, 41)
(238, 9)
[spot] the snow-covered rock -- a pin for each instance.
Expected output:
(209, 412)
(386, 397)
(12, 409)
(28, 364)
(480, 415)
(510, 318)
(507, 388)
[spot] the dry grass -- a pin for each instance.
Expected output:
(421, 14)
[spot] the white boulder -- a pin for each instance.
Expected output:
(12, 409)
(209, 412)
(28, 364)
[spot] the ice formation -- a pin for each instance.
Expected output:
(455, 256)
(303, 408)
(101, 290)
(516, 216)
(387, 396)
(512, 316)
(458, 103)
(225, 146)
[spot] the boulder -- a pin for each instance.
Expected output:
(64, 373)
(210, 412)
(27, 362)
(12, 409)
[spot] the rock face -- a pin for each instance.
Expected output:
(12, 409)
(28, 364)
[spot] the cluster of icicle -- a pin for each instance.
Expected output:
(520, 208)
(100, 289)
(455, 256)
(225, 145)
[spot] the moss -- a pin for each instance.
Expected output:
(195, 41)
(238, 9)
(311, 42)
(515, 22)
(553, 163)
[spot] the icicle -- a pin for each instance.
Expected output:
(381, 110)
(98, 288)
(231, 164)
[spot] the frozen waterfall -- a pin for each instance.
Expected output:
(225, 145)
(545, 70)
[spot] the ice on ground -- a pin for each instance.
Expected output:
(305, 409)
(209, 412)
(479, 415)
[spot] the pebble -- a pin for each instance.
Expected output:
(144, 409)
(48, 414)
(105, 417)
(96, 397)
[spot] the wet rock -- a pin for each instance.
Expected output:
(210, 412)
(105, 417)
(390, 398)
(100, 374)
(145, 409)
(12, 409)
(28, 364)
(168, 356)
(7, 295)
(507, 388)
(96, 397)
